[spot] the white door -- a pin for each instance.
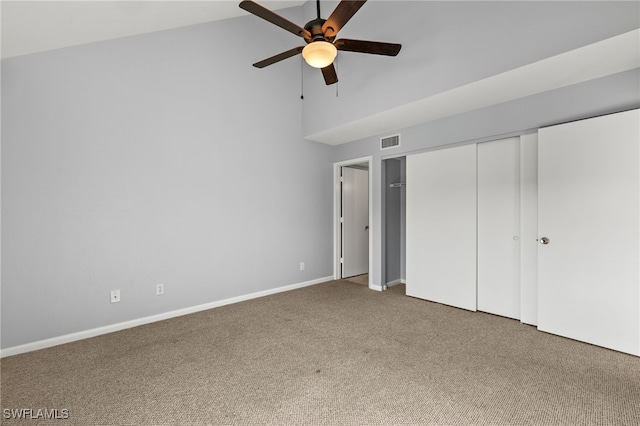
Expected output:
(529, 229)
(441, 226)
(589, 214)
(355, 222)
(499, 227)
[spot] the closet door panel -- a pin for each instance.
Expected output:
(529, 229)
(589, 209)
(499, 227)
(441, 226)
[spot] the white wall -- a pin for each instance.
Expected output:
(161, 158)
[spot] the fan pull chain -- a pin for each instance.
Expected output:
(338, 83)
(301, 78)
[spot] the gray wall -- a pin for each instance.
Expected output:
(161, 158)
(394, 214)
(168, 158)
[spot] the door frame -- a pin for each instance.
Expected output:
(337, 203)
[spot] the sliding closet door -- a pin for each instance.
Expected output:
(529, 229)
(441, 226)
(589, 214)
(499, 227)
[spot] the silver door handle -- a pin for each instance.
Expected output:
(544, 240)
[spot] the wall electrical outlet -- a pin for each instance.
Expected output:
(302, 266)
(159, 289)
(115, 296)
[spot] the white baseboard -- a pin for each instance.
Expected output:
(396, 282)
(73, 337)
(387, 285)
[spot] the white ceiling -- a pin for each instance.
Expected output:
(37, 26)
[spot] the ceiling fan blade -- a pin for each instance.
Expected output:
(365, 46)
(267, 15)
(279, 57)
(329, 74)
(340, 16)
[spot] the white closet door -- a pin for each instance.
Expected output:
(529, 229)
(441, 226)
(589, 209)
(499, 227)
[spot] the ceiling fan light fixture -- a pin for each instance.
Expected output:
(319, 54)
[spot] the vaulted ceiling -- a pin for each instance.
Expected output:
(38, 26)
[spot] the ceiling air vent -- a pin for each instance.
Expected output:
(390, 142)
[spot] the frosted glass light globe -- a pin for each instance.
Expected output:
(319, 54)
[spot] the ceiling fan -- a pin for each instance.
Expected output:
(320, 34)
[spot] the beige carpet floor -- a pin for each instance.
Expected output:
(359, 279)
(330, 354)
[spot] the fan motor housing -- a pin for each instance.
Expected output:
(315, 28)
